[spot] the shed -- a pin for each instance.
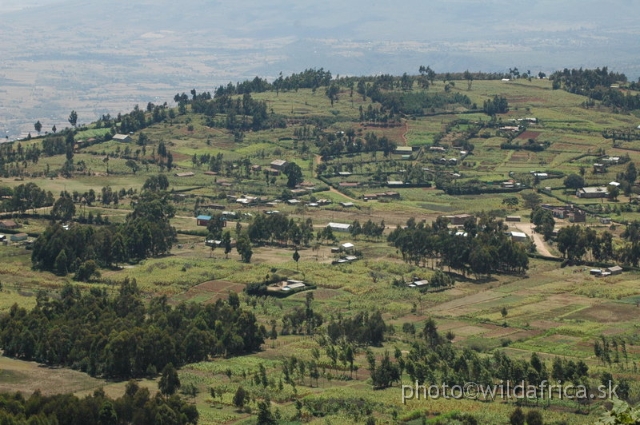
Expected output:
(339, 227)
(125, 138)
(187, 174)
(518, 236)
(347, 246)
(514, 218)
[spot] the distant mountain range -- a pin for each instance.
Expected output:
(104, 56)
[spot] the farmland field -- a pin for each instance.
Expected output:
(555, 308)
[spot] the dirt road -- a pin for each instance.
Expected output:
(541, 246)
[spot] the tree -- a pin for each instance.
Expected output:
(226, 243)
(239, 398)
(511, 201)
(574, 181)
(544, 222)
(534, 417)
(133, 165)
(265, 417)
(294, 174)
(60, 265)
(631, 174)
(38, 126)
(531, 200)
(332, 93)
(169, 381)
(54, 129)
(296, 257)
(86, 271)
(517, 417)
(73, 118)
(612, 192)
(63, 210)
(243, 246)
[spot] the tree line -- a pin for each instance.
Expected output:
(120, 337)
(481, 246)
(146, 232)
(137, 405)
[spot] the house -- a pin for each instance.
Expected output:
(124, 138)
(592, 192)
(213, 206)
(9, 224)
(616, 184)
(615, 270)
(278, 164)
(518, 236)
(541, 176)
(577, 216)
(605, 220)
(403, 150)
(255, 168)
(347, 204)
(437, 149)
(599, 168)
(324, 201)
(339, 227)
(3, 238)
(513, 218)
(286, 286)
(210, 173)
(393, 195)
(344, 173)
(187, 174)
(203, 220)
(19, 237)
(459, 219)
(368, 196)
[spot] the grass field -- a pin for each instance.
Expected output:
(553, 310)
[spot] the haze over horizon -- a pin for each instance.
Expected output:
(99, 57)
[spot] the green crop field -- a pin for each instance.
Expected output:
(556, 308)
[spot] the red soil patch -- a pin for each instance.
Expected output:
(526, 135)
(210, 292)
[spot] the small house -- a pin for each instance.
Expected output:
(203, 220)
(278, 164)
(9, 224)
(592, 192)
(403, 150)
(459, 219)
(513, 218)
(187, 174)
(19, 237)
(605, 220)
(124, 138)
(615, 270)
(347, 204)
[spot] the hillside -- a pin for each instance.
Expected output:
(446, 280)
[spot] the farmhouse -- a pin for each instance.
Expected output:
(278, 164)
(592, 192)
(9, 224)
(339, 227)
(125, 138)
(203, 220)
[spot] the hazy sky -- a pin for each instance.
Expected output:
(107, 55)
